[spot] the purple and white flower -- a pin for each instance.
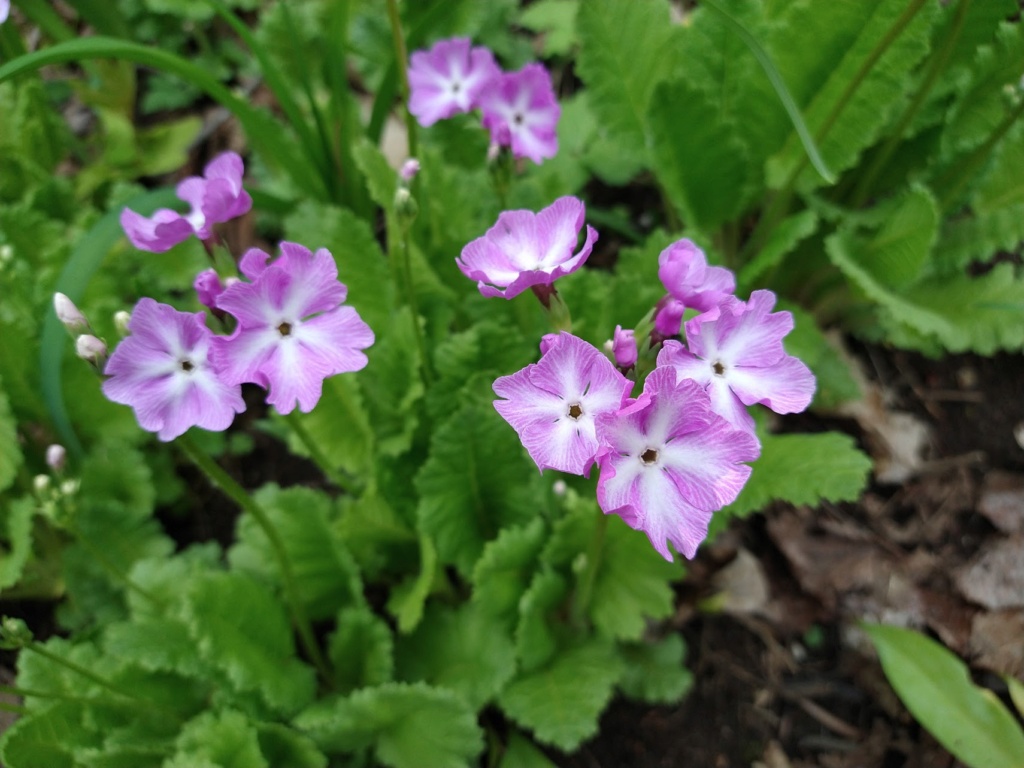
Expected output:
(163, 370)
(521, 111)
(293, 331)
(683, 270)
(215, 197)
(736, 353)
(208, 288)
(525, 249)
(669, 462)
(448, 79)
(553, 404)
(5, 10)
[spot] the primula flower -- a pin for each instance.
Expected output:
(624, 347)
(736, 353)
(164, 372)
(448, 79)
(208, 288)
(293, 331)
(524, 249)
(215, 197)
(683, 270)
(5, 10)
(521, 112)
(669, 462)
(553, 404)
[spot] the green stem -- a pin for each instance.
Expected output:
(410, 297)
(593, 565)
(401, 62)
(955, 179)
(294, 422)
(935, 68)
(236, 493)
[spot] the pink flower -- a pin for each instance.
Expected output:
(521, 112)
(448, 79)
(293, 331)
(164, 372)
(668, 316)
(208, 288)
(736, 354)
(524, 249)
(216, 197)
(624, 348)
(553, 404)
(5, 10)
(669, 462)
(683, 270)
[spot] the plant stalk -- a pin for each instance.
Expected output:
(401, 63)
(236, 493)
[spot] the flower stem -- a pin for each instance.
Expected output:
(401, 60)
(236, 493)
(593, 565)
(337, 477)
(409, 286)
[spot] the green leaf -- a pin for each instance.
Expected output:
(339, 426)
(326, 576)
(846, 105)
(625, 51)
(521, 753)
(408, 726)
(977, 238)
(969, 721)
(462, 650)
(360, 650)
(373, 532)
(10, 453)
(474, 483)
(156, 644)
(789, 233)
(381, 178)
(226, 739)
(1001, 187)
(896, 255)
(561, 702)
(802, 469)
(540, 615)
(283, 747)
(655, 672)
(47, 738)
(16, 534)
(556, 21)
(238, 626)
(407, 599)
(704, 168)
(504, 570)
(164, 147)
(835, 381)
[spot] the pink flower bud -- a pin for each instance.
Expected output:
(69, 314)
(546, 342)
(409, 169)
(624, 348)
(56, 457)
(91, 349)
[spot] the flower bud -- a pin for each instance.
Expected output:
(668, 316)
(405, 206)
(559, 488)
(208, 287)
(14, 634)
(546, 342)
(624, 348)
(121, 319)
(69, 314)
(409, 169)
(41, 484)
(70, 487)
(56, 457)
(92, 350)
(6, 253)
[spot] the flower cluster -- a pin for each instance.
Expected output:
(679, 451)
(291, 331)
(519, 108)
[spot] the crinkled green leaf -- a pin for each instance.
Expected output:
(977, 237)
(156, 643)
(381, 178)
(702, 164)
(520, 752)
(47, 738)
(556, 21)
(463, 650)
(226, 739)
(392, 385)
(10, 453)
(625, 51)
(408, 598)
(819, 76)
(326, 576)
(935, 685)
(561, 702)
(656, 672)
(1003, 185)
(360, 650)
(282, 747)
(408, 726)
(789, 233)
(541, 610)
(802, 469)
(374, 533)
(475, 482)
(504, 570)
(15, 539)
(835, 381)
(239, 626)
